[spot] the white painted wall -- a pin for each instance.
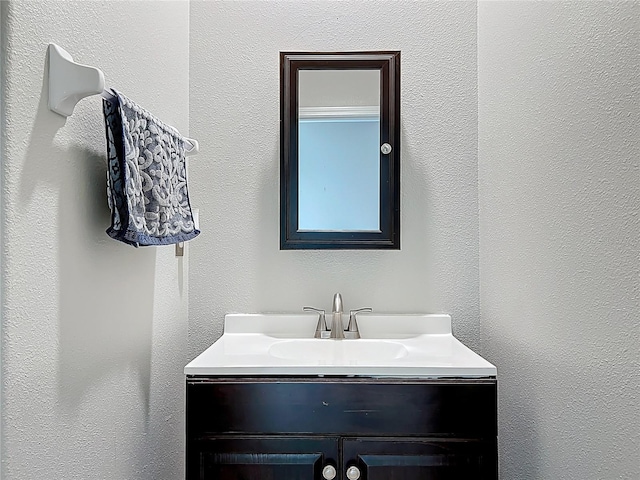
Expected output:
(2, 242)
(237, 264)
(94, 331)
(338, 88)
(559, 188)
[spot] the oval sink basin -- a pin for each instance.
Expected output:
(360, 351)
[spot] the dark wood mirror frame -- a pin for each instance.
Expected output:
(388, 237)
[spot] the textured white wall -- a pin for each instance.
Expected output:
(559, 189)
(2, 242)
(94, 331)
(237, 264)
(338, 88)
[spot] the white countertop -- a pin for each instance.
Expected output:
(391, 346)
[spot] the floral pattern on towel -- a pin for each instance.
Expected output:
(146, 178)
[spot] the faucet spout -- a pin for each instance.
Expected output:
(337, 328)
(337, 303)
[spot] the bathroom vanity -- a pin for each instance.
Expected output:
(266, 401)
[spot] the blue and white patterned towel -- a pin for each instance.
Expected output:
(146, 178)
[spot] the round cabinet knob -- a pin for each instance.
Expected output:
(353, 473)
(329, 472)
(385, 148)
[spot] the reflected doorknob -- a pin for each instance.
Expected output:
(353, 473)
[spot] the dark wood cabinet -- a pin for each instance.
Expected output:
(292, 428)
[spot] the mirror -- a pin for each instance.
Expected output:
(340, 152)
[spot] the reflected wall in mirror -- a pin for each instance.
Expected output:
(340, 175)
(338, 154)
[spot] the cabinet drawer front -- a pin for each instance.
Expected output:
(406, 459)
(336, 406)
(264, 458)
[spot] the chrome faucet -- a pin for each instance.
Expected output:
(321, 327)
(337, 331)
(337, 328)
(352, 330)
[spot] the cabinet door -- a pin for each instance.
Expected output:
(260, 458)
(419, 459)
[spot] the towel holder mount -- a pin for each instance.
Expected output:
(70, 82)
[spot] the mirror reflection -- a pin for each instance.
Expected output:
(338, 150)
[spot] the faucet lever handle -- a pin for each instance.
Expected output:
(322, 323)
(353, 324)
(313, 309)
